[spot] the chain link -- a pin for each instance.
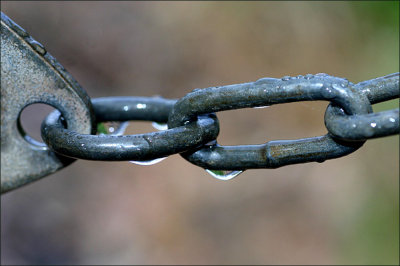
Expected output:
(142, 147)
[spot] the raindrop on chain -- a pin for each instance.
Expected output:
(150, 162)
(224, 174)
(120, 130)
(309, 76)
(159, 126)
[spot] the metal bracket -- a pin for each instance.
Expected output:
(31, 75)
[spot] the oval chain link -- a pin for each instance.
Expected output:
(268, 91)
(141, 147)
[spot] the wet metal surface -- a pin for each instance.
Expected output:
(31, 75)
(141, 147)
(380, 89)
(367, 126)
(268, 91)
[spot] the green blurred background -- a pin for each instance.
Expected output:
(343, 211)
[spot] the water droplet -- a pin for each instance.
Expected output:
(327, 92)
(126, 108)
(265, 81)
(299, 77)
(38, 47)
(150, 162)
(373, 124)
(261, 107)
(118, 131)
(344, 83)
(392, 120)
(82, 144)
(159, 126)
(223, 174)
(141, 106)
(321, 75)
(308, 76)
(286, 78)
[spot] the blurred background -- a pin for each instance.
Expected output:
(343, 211)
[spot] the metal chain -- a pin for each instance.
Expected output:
(350, 105)
(270, 91)
(141, 147)
(193, 127)
(362, 127)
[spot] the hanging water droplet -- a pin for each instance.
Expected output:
(150, 162)
(159, 126)
(119, 131)
(224, 174)
(286, 78)
(309, 76)
(373, 124)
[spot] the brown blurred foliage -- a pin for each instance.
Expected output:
(342, 211)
